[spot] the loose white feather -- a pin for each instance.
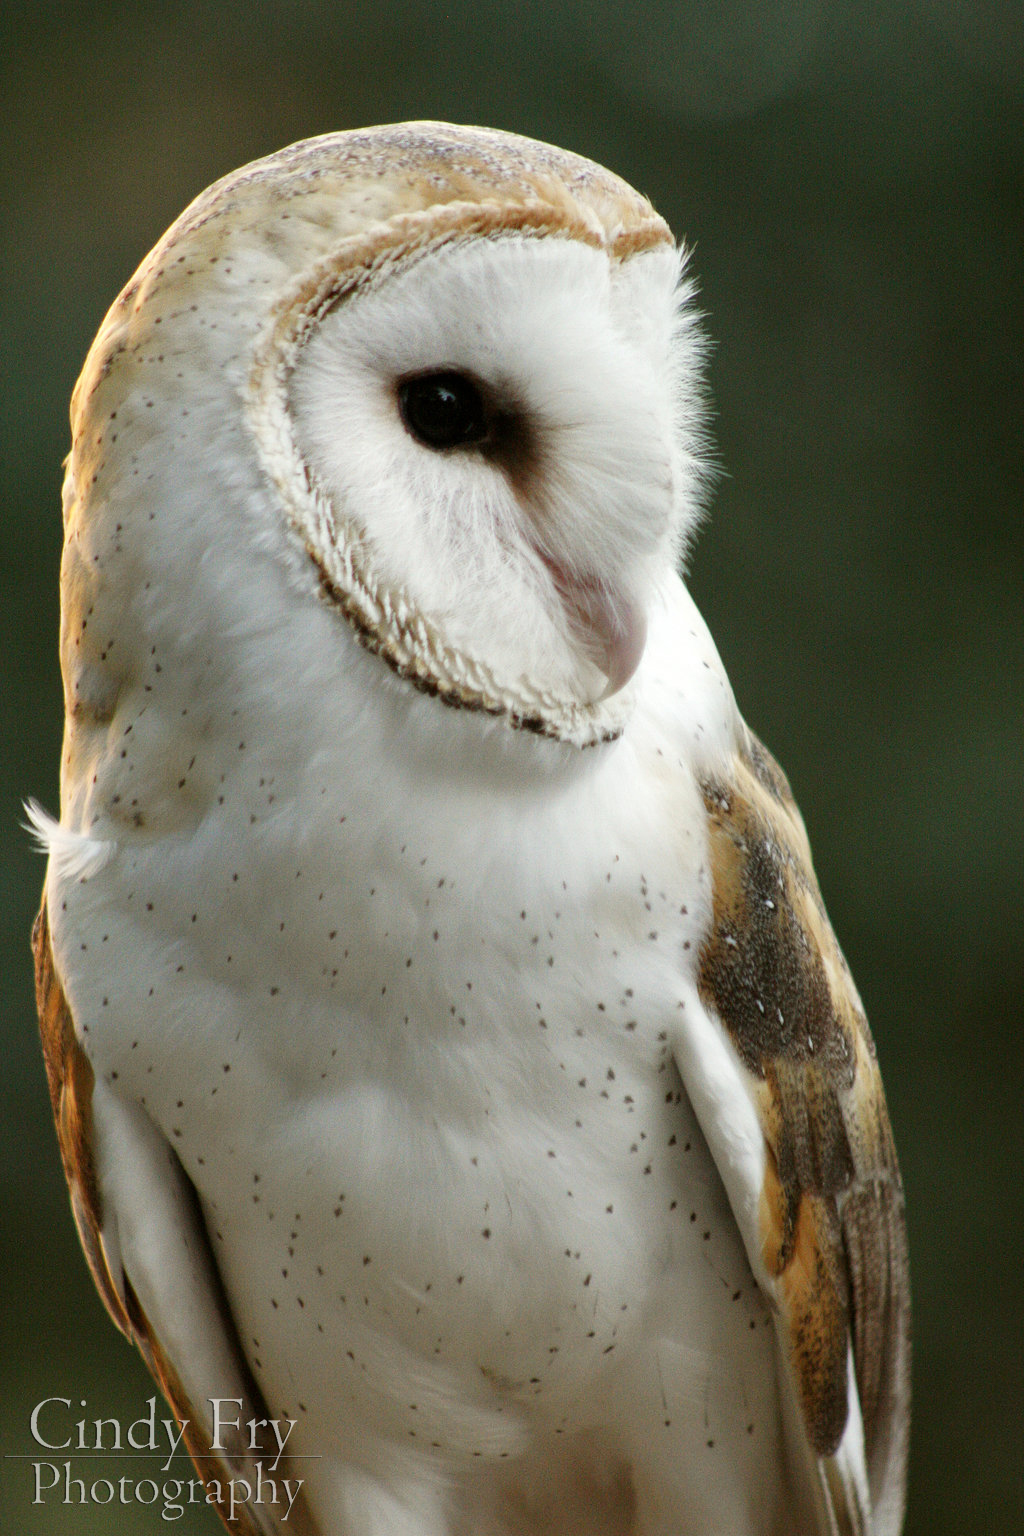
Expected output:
(73, 855)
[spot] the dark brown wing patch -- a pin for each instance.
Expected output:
(832, 1203)
(70, 1076)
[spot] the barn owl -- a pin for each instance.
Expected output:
(461, 1092)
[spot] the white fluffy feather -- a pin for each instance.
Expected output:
(72, 855)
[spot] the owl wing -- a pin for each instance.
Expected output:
(142, 1228)
(811, 1173)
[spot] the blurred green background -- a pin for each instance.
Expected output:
(851, 178)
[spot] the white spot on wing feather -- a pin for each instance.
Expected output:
(714, 1080)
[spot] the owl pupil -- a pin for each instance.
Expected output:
(443, 410)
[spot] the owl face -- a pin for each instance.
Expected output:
(469, 410)
(489, 419)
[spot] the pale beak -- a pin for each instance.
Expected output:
(613, 628)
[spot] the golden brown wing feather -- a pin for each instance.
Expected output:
(70, 1076)
(831, 1216)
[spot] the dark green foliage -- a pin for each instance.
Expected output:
(851, 179)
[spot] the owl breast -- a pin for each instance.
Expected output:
(413, 1053)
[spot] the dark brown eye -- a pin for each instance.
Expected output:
(443, 410)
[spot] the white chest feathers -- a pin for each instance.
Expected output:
(449, 1050)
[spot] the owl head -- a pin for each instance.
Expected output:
(440, 382)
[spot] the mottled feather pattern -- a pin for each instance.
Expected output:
(499, 1113)
(71, 1079)
(832, 1202)
(236, 1459)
